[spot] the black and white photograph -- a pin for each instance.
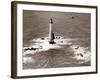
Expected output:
(53, 39)
(56, 39)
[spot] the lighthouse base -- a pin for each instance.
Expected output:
(51, 42)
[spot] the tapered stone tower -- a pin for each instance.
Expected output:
(51, 34)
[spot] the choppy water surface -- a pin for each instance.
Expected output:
(69, 53)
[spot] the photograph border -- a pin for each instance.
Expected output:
(14, 37)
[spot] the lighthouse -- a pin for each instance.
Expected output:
(51, 34)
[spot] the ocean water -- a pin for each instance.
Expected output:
(70, 53)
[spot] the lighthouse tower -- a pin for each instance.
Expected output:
(51, 34)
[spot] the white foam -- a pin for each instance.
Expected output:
(28, 60)
(81, 53)
(44, 45)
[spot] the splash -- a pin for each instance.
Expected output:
(44, 45)
(81, 53)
